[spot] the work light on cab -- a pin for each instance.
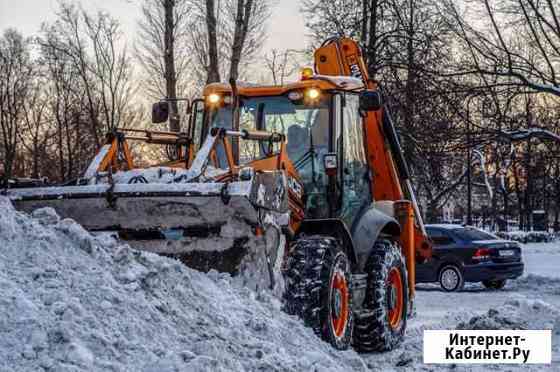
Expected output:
(306, 73)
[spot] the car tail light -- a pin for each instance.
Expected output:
(481, 254)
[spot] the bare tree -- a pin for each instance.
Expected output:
(65, 37)
(163, 51)
(516, 40)
(110, 67)
(89, 86)
(213, 69)
(16, 74)
(242, 19)
(326, 18)
(281, 64)
(372, 22)
(37, 130)
(93, 45)
(67, 110)
(234, 31)
(407, 45)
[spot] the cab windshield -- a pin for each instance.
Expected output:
(305, 126)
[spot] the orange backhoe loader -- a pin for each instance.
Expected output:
(314, 168)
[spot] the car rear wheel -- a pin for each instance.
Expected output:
(451, 279)
(494, 284)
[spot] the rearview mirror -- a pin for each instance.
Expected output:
(160, 112)
(370, 100)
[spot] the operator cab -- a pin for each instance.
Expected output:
(318, 125)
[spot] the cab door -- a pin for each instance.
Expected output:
(354, 170)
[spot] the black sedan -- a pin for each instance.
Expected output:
(466, 254)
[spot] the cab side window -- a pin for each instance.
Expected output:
(197, 123)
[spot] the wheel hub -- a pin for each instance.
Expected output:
(449, 279)
(337, 303)
(392, 297)
(395, 300)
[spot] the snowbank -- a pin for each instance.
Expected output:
(522, 313)
(518, 313)
(538, 283)
(528, 236)
(552, 248)
(71, 301)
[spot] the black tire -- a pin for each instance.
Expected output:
(494, 284)
(313, 265)
(451, 278)
(373, 330)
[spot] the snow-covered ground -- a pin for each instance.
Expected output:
(73, 302)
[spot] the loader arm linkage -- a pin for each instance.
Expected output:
(115, 154)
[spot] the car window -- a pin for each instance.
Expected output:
(471, 233)
(440, 237)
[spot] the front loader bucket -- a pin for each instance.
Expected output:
(142, 207)
(206, 225)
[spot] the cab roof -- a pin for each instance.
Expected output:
(323, 82)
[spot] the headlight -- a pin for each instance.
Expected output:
(213, 98)
(313, 93)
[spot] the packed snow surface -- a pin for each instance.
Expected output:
(74, 302)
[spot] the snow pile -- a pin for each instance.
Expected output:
(71, 301)
(528, 236)
(519, 313)
(552, 248)
(534, 282)
(149, 175)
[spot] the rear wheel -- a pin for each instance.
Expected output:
(451, 279)
(318, 288)
(382, 322)
(494, 284)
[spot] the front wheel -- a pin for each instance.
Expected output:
(318, 288)
(494, 284)
(381, 323)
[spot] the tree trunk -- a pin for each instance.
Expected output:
(372, 47)
(365, 15)
(213, 70)
(529, 189)
(170, 74)
(410, 87)
(241, 26)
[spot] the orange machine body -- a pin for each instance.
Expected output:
(339, 65)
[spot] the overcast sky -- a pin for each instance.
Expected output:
(286, 26)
